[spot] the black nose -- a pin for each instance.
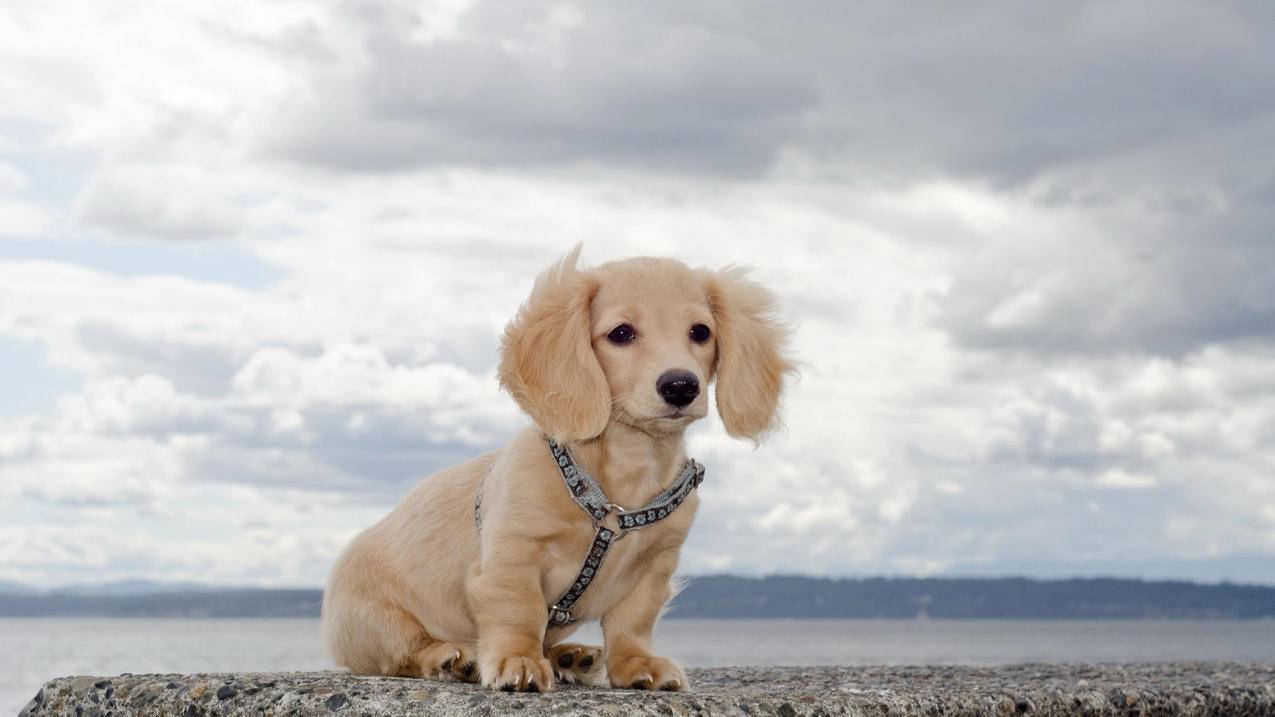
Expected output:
(678, 387)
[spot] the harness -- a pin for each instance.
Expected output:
(588, 494)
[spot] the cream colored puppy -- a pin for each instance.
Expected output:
(613, 363)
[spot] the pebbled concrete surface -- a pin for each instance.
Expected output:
(1076, 689)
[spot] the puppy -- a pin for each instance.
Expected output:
(612, 364)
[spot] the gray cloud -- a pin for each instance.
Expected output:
(1169, 286)
(192, 366)
(1103, 108)
(528, 84)
(1004, 91)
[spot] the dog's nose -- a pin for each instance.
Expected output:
(678, 387)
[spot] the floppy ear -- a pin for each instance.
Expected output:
(751, 342)
(546, 356)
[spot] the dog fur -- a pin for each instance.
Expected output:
(423, 593)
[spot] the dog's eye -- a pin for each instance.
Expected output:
(622, 334)
(700, 333)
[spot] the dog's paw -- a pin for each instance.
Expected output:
(574, 663)
(646, 672)
(517, 673)
(446, 659)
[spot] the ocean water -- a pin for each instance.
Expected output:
(35, 650)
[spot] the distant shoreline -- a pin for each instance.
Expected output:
(774, 597)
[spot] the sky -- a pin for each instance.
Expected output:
(255, 259)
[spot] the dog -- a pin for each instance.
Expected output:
(612, 364)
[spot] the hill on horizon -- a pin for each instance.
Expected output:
(728, 596)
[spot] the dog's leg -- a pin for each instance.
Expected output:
(374, 638)
(627, 629)
(446, 659)
(371, 637)
(577, 663)
(509, 607)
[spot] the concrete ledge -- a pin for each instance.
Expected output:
(1077, 689)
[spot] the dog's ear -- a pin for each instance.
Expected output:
(546, 356)
(751, 342)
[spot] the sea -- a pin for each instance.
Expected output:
(34, 650)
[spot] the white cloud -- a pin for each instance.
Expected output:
(11, 178)
(243, 536)
(163, 204)
(1121, 479)
(17, 216)
(21, 218)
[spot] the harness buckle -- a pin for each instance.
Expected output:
(559, 616)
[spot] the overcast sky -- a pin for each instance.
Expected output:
(255, 259)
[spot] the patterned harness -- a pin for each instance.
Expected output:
(588, 494)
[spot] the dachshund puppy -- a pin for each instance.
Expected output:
(612, 364)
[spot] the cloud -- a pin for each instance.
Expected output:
(140, 201)
(1131, 452)
(1131, 281)
(1025, 249)
(1004, 92)
(11, 178)
(17, 216)
(345, 418)
(903, 450)
(240, 536)
(561, 83)
(1083, 125)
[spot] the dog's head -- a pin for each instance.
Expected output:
(638, 341)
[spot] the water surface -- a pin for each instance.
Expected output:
(35, 650)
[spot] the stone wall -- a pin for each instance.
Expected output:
(1078, 689)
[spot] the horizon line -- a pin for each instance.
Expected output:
(8, 586)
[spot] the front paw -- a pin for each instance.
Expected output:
(645, 672)
(577, 663)
(519, 673)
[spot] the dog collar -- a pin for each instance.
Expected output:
(588, 494)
